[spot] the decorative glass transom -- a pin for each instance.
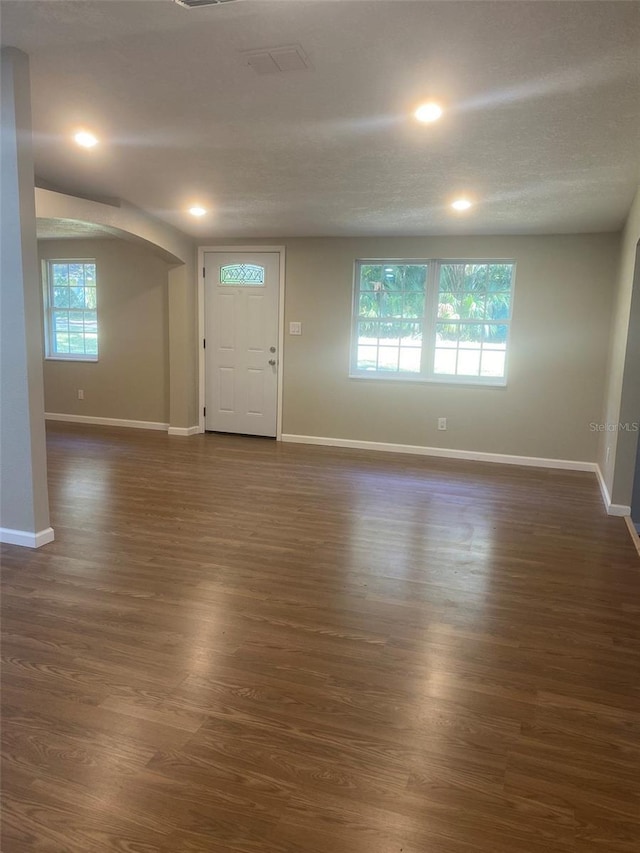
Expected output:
(246, 275)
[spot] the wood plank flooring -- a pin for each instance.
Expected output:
(238, 646)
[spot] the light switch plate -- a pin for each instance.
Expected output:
(295, 328)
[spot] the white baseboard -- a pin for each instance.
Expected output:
(633, 532)
(419, 450)
(121, 422)
(118, 422)
(612, 509)
(26, 538)
(192, 430)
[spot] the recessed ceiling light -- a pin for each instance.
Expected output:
(427, 113)
(86, 139)
(461, 204)
(197, 211)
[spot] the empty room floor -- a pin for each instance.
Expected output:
(241, 645)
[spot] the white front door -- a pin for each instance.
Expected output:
(241, 291)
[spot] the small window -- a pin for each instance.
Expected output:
(70, 310)
(435, 320)
(245, 275)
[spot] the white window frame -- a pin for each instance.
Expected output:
(50, 352)
(427, 373)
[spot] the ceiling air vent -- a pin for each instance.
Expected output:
(192, 4)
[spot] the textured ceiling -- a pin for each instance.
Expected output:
(541, 124)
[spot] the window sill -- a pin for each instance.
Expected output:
(458, 382)
(72, 359)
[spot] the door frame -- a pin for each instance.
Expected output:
(280, 250)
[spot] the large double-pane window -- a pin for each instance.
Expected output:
(435, 320)
(70, 309)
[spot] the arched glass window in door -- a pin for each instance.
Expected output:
(242, 275)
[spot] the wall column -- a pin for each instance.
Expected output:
(24, 500)
(183, 391)
(178, 353)
(627, 438)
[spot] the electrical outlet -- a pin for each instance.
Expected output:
(80, 394)
(442, 423)
(295, 328)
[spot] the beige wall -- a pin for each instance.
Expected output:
(558, 353)
(557, 359)
(618, 468)
(131, 378)
(559, 344)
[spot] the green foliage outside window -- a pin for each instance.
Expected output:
(474, 292)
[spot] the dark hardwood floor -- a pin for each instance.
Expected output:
(238, 645)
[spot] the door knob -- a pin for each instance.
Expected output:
(272, 361)
(272, 349)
